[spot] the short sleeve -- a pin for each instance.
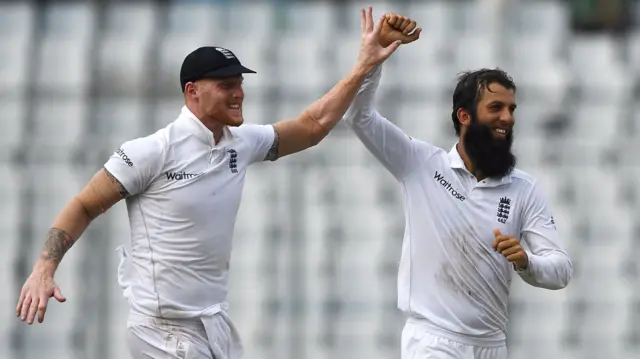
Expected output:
(137, 163)
(260, 139)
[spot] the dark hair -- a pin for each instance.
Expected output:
(469, 89)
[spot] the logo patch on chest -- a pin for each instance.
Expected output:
(233, 160)
(503, 209)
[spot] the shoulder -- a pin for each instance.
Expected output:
(248, 131)
(523, 179)
(253, 136)
(528, 186)
(153, 143)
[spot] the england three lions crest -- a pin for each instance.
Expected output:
(503, 209)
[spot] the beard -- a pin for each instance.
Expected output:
(491, 156)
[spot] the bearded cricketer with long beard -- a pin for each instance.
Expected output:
(467, 212)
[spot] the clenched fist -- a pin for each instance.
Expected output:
(509, 247)
(398, 28)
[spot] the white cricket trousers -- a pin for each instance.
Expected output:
(419, 343)
(207, 337)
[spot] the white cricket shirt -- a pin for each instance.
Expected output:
(450, 278)
(185, 193)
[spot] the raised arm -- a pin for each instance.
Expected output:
(549, 265)
(388, 143)
(129, 170)
(318, 120)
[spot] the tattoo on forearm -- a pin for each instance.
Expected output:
(123, 191)
(57, 244)
(272, 155)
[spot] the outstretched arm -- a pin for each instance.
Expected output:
(318, 120)
(129, 171)
(100, 194)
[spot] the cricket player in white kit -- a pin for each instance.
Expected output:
(182, 187)
(467, 211)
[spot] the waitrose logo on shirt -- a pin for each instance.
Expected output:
(447, 185)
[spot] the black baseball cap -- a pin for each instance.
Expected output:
(210, 62)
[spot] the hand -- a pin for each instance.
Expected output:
(35, 295)
(398, 27)
(509, 247)
(371, 52)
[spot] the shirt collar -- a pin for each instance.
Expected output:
(198, 129)
(455, 161)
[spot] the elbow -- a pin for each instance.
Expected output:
(565, 273)
(315, 131)
(358, 117)
(316, 136)
(87, 211)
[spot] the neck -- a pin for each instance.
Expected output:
(214, 126)
(211, 124)
(467, 161)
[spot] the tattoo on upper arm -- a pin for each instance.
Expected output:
(272, 155)
(57, 244)
(123, 191)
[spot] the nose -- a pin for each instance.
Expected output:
(239, 92)
(507, 118)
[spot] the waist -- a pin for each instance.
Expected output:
(140, 310)
(166, 299)
(495, 339)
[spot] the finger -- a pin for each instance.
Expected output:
(509, 251)
(499, 239)
(404, 23)
(57, 293)
(496, 232)
(369, 19)
(393, 18)
(32, 310)
(25, 307)
(42, 308)
(20, 302)
(363, 21)
(507, 244)
(410, 27)
(379, 25)
(515, 257)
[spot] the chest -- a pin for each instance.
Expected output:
(197, 180)
(461, 204)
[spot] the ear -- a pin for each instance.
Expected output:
(464, 117)
(190, 88)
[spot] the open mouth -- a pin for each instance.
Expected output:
(234, 107)
(501, 131)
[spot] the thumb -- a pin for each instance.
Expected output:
(415, 36)
(391, 48)
(58, 295)
(496, 232)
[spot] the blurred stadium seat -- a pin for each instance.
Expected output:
(318, 235)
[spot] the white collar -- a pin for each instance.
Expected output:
(455, 161)
(197, 128)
